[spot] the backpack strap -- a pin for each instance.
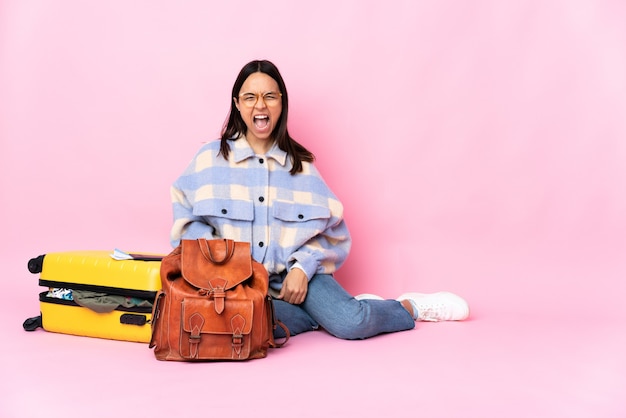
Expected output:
(195, 324)
(276, 322)
(273, 343)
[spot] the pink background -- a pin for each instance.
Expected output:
(478, 147)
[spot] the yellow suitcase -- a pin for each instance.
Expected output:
(68, 274)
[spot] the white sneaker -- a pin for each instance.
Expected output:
(363, 296)
(440, 306)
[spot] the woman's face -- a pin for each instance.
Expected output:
(260, 105)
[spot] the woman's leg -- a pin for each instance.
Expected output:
(293, 317)
(328, 305)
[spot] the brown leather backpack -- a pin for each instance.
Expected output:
(213, 305)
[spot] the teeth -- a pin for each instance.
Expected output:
(261, 117)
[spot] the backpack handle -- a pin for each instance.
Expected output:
(208, 255)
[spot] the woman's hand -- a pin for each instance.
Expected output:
(295, 287)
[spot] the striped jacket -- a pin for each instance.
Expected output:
(288, 219)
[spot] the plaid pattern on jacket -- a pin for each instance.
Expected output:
(287, 218)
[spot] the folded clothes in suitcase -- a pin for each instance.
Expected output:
(92, 294)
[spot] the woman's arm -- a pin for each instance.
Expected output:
(327, 251)
(186, 224)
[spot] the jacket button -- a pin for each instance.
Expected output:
(224, 211)
(261, 199)
(261, 244)
(261, 160)
(301, 216)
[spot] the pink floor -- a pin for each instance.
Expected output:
(477, 147)
(535, 362)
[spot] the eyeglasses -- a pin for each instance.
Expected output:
(271, 98)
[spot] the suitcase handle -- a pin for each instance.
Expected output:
(133, 319)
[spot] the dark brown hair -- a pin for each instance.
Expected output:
(235, 126)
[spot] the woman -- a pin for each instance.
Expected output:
(258, 185)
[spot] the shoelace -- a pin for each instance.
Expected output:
(432, 313)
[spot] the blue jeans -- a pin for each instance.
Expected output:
(329, 306)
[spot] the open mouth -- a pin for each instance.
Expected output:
(261, 121)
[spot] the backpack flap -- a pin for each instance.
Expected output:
(203, 260)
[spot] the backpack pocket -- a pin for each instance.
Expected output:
(209, 335)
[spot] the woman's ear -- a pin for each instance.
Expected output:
(236, 103)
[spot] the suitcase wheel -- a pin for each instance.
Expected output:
(32, 324)
(35, 264)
